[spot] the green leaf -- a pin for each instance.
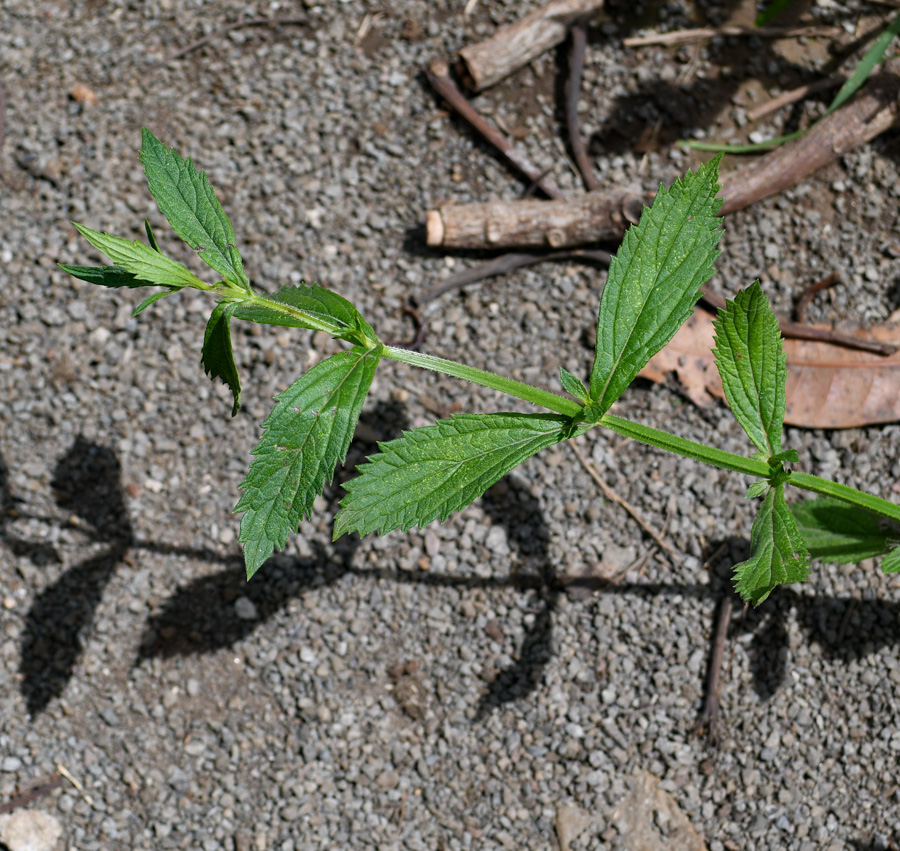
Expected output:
(306, 436)
(217, 355)
(757, 489)
(151, 238)
(320, 304)
(753, 367)
(151, 300)
(891, 562)
(431, 472)
(871, 58)
(778, 555)
(655, 280)
(104, 276)
(141, 260)
(836, 531)
(186, 199)
(573, 386)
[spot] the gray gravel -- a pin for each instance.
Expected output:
(426, 690)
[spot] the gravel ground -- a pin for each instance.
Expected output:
(435, 689)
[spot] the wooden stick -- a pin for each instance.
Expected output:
(438, 74)
(874, 110)
(679, 37)
(602, 216)
(514, 46)
(793, 96)
(573, 90)
(594, 217)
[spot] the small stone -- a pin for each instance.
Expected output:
(388, 779)
(29, 830)
(245, 609)
(10, 763)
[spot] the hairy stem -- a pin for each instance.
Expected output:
(510, 386)
(875, 504)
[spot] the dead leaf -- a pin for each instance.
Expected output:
(828, 386)
(648, 819)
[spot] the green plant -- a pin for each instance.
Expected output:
(430, 472)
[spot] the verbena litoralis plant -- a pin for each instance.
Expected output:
(428, 473)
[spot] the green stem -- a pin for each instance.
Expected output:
(864, 500)
(636, 431)
(510, 386)
(685, 447)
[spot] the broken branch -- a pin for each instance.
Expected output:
(514, 46)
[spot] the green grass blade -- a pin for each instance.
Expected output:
(838, 532)
(217, 355)
(433, 471)
(655, 280)
(306, 436)
(862, 71)
(752, 366)
(141, 261)
(778, 554)
(187, 200)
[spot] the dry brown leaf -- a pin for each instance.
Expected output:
(828, 386)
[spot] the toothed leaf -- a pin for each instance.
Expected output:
(306, 436)
(186, 199)
(836, 531)
(778, 555)
(217, 354)
(655, 280)
(433, 471)
(753, 367)
(140, 260)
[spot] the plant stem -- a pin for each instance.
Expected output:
(636, 431)
(570, 408)
(864, 500)
(510, 386)
(685, 447)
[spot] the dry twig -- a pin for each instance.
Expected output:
(576, 140)
(611, 495)
(794, 95)
(438, 73)
(700, 34)
(507, 263)
(709, 714)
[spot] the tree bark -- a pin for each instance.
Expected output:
(594, 217)
(514, 46)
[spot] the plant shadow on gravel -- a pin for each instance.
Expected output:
(87, 486)
(202, 616)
